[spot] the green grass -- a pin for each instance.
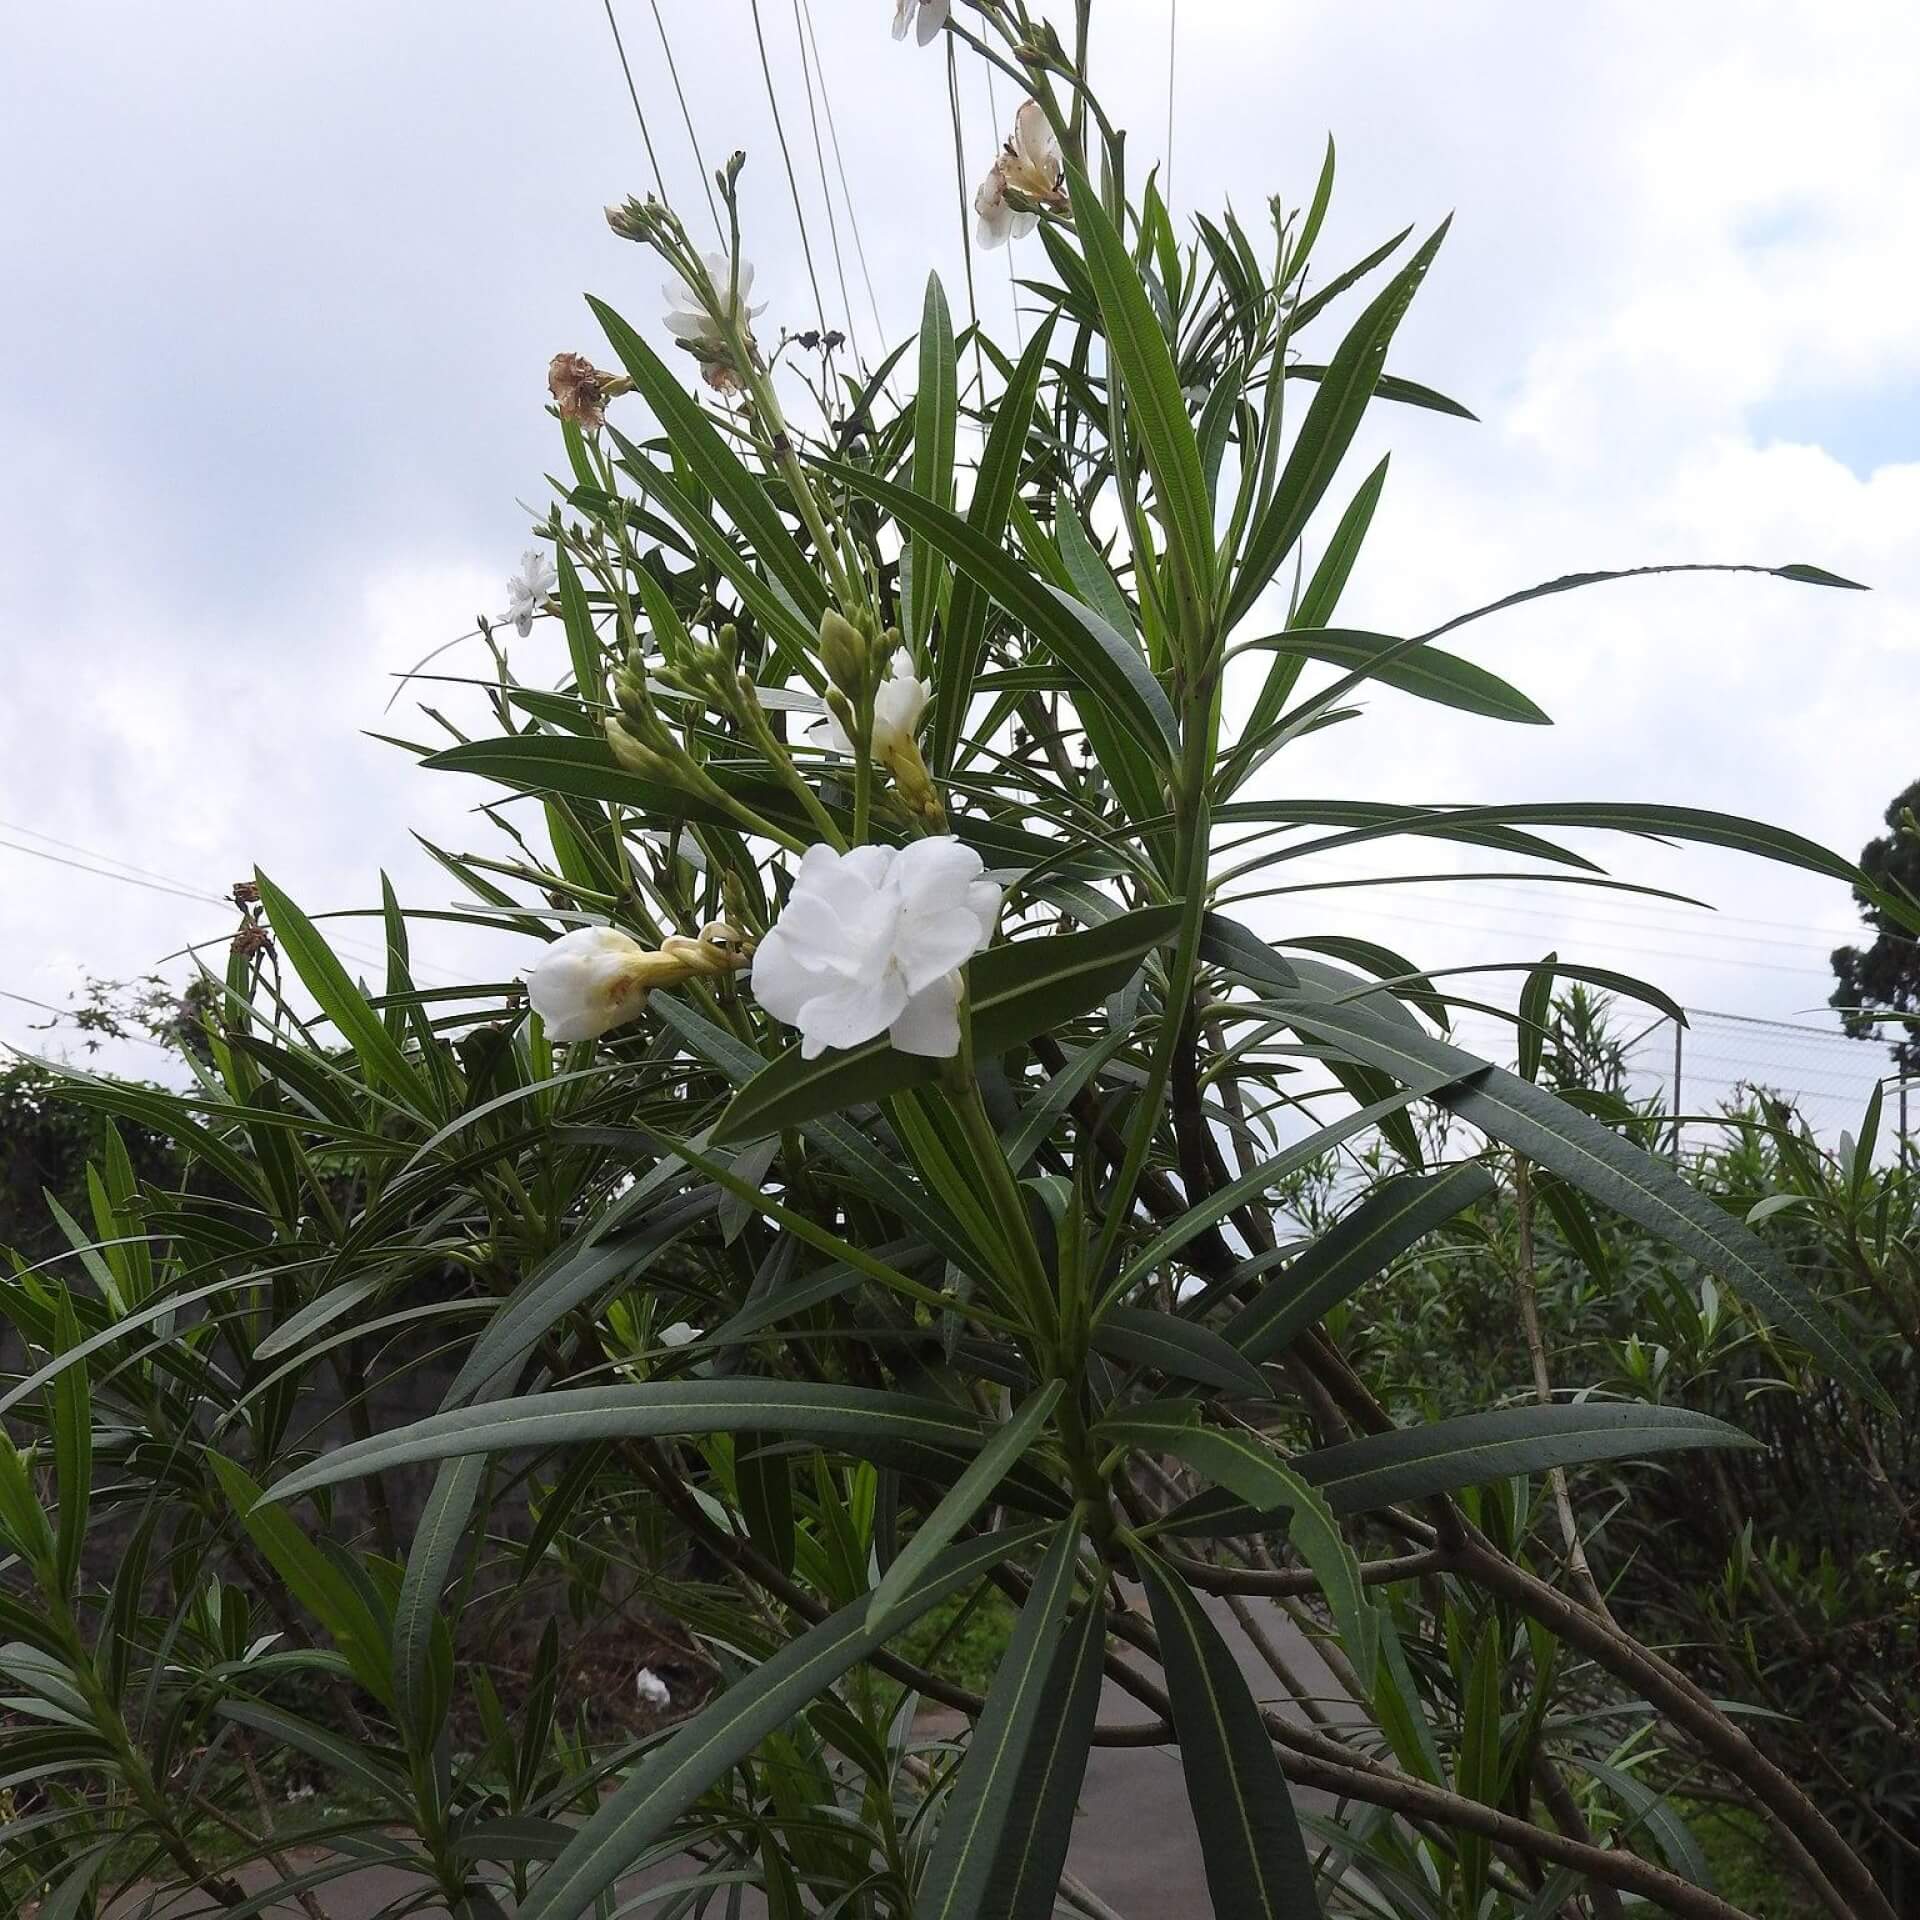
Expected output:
(962, 1646)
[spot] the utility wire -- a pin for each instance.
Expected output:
(846, 195)
(106, 873)
(966, 228)
(826, 192)
(633, 94)
(793, 182)
(693, 139)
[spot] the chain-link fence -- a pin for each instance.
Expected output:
(1717, 1058)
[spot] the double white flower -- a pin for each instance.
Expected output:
(1030, 164)
(528, 589)
(872, 942)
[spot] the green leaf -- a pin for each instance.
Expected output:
(697, 442)
(675, 1775)
(936, 408)
(1408, 392)
(583, 643)
(1249, 1469)
(1015, 990)
(1227, 943)
(341, 1001)
(23, 1521)
(1425, 672)
(934, 1436)
(1413, 1463)
(422, 1646)
(1256, 1861)
(1108, 664)
(1140, 355)
(72, 1448)
(574, 1274)
(1033, 1849)
(1600, 1163)
(1316, 608)
(1476, 1772)
(1361, 1243)
(1328, 430)
(995, 487)
(965, 1878)
(1177, 1347)
(350, 1759)
(321, 1587)
(962, 1501)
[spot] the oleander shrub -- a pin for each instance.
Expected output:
(871, 1198)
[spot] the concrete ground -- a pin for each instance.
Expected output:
(1133, 1844)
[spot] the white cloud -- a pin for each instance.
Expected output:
(274, 354)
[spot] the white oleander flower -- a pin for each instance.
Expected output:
(1030, 164)
(528, 589)
(653, 1691)
(898, 704)
(926, 17)
(687, 317)
(681, 1334)
(872, 942)
(594, 979)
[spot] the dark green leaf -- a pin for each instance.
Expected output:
(1140, 356)
(1178, 1348)
(1363, 1242)
(1108, 663)
(1256, 1861)
(965, 1878)
(1328, 430)
(1413, 1463)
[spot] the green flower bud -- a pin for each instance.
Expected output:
(638, 758)
(844, 652)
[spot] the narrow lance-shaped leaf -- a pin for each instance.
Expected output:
(858, 1418)
(983, 1806)
(1247, 1467)
(1109, 665)
(1414, 1463)
(340, 1000)
(1256, 1861)
(1138, 352)
(963, 1500)
(740, 493)
(1361, 1243)
(1034, 1840)
(936, 409)
(995, 488)
(72, 1449)
(1334, 417)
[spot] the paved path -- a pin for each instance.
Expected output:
(1133, 1842)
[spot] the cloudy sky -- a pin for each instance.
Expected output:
(284, 283)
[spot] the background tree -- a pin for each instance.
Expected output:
(1885, 977)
